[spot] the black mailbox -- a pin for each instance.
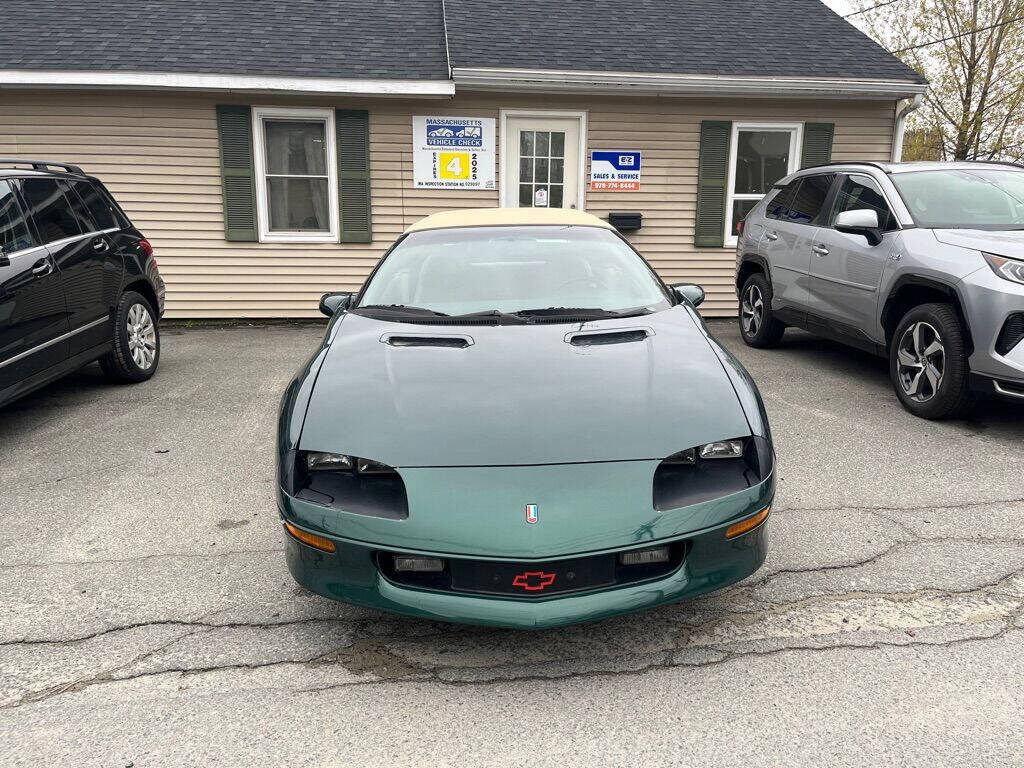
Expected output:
(626, 221)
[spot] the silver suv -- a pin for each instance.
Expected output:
(920, 262)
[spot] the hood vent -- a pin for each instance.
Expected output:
(601, 338)
(423, 340)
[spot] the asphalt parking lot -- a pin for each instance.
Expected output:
(147, 617)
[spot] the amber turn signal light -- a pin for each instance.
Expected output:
(316, 542)
(744, 526)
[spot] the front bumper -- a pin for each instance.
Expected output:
(988, 301)
(351, 574)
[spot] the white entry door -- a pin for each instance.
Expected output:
(541, 162)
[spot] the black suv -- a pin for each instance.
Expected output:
(78, 282)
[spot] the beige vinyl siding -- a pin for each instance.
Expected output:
(158, 154)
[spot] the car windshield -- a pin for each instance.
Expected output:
(976, 198)
(515, 269)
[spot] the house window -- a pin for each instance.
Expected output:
(296, 175)
(760, 155)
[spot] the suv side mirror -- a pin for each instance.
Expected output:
(333, 303)
(690, 292)
(862, 221)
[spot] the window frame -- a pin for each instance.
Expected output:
(795, 130)
(298, 114)
(830, 224)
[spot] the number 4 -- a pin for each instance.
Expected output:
(454, 167)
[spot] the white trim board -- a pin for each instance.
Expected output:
(504, 114)
(226, 83)
(553, 81)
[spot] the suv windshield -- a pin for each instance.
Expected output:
(976, 198)
(534, 270)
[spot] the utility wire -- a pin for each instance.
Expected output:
(872, 8)
(962, 34)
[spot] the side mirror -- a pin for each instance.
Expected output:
(333, 303)
(862, 221)
(692, 293)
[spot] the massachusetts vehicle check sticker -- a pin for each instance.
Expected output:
(453, 152)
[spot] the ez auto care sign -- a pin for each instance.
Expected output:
(615, 171)
(453, 152)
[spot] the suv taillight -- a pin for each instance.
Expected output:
(739, 228)
(146, 247)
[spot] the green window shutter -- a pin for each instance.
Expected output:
(817, 148)
(713, 168)
(234, 126)
(353, 133)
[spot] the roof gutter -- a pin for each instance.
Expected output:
(626, 83)
(214, 83)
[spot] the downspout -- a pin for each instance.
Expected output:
(901, 124)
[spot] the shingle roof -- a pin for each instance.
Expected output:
(799, 38)
(304, 38)
(405, 39)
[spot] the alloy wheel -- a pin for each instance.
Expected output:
(141, 336)
(752, 310)
(921, 359)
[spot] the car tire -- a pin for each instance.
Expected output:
(928, 363)
(136, 341)
(758, 325)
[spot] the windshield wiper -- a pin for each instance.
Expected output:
(401, 309)
(595, 313)
(500, 318)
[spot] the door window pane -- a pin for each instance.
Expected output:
(298, 205)
(14, 234)
(858, 193)
(740, 209)
(526, 143)
(97, 203)
(809, 199)
(49, 209)
(298, 184)
(555, 196)
(78, 209)
(778, 206)
(526, 169)
(762, 158)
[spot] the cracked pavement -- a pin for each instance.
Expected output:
(148, 619)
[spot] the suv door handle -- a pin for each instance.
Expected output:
(99, 244)
(820, 250)
(773, 236)
(42, 267)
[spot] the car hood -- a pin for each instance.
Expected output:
(1009, 244)
(520, 394)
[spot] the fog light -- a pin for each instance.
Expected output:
(644, 556)
(418, 564)
(317, 542)
(744, 526)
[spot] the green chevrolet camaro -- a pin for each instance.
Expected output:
(517, 423)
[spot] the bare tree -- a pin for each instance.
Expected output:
(972, 52)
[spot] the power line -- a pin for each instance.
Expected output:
(962, 34)
(872, 8)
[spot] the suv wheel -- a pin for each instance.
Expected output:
(758, 325)
(136, 352)
(928, 362)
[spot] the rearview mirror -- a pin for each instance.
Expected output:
(862, 221)
(333, 303)
(690, 292)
